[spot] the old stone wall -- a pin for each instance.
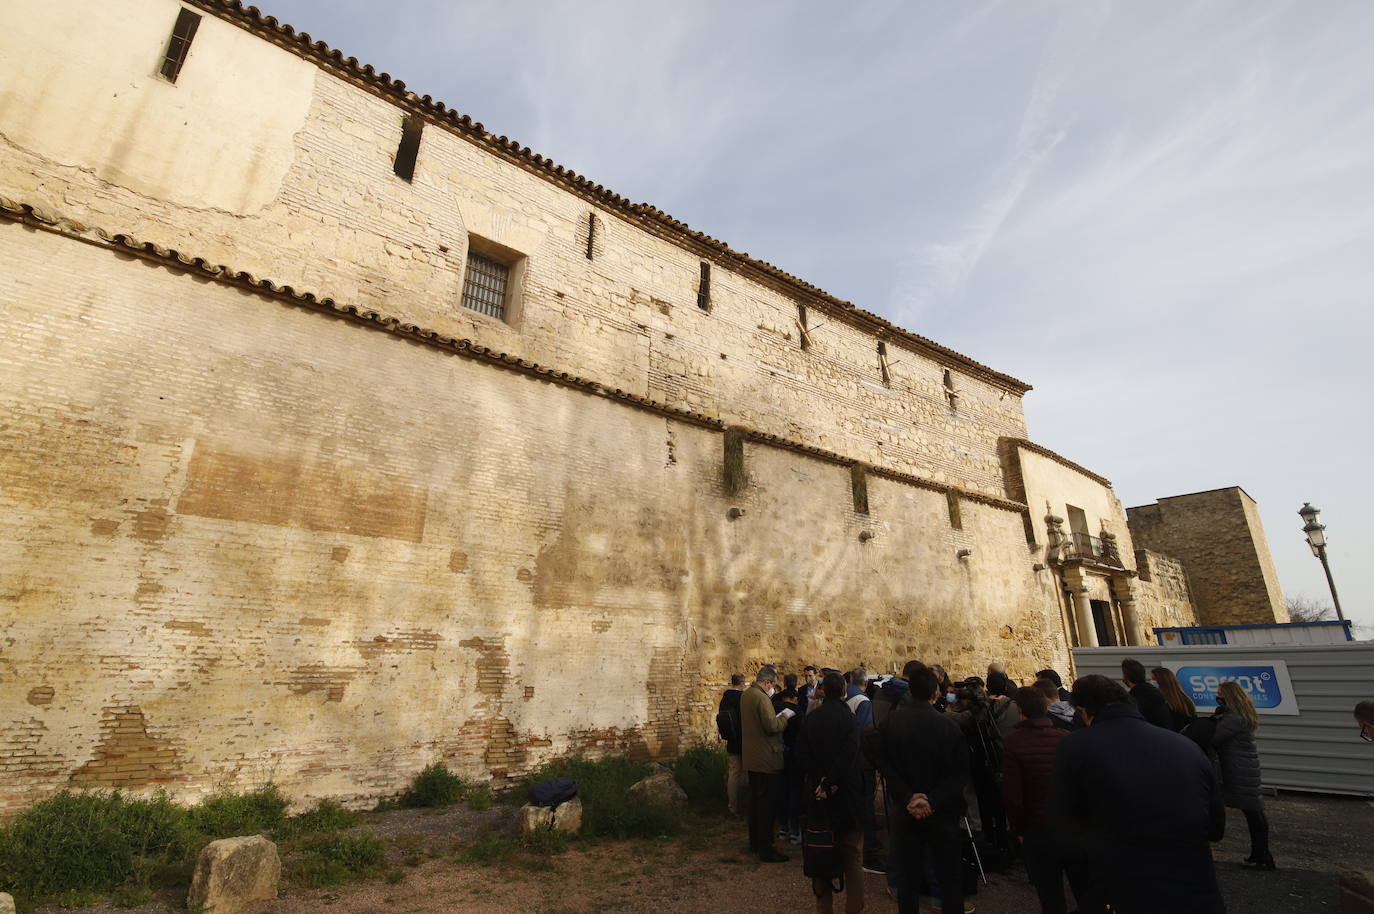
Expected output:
(1165, 600)
(308, 198)
(1217, 538)
(244, 539)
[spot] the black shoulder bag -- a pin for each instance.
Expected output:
(820, 851)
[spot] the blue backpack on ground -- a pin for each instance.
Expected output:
(553, 791)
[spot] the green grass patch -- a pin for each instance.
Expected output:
(327, 816)
(232, 815)
(78, 847)
(334, 859)
(78, 842)
(479, 797)
(489, 848)
(701, 774)
(545, 843)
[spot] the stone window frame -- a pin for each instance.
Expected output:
(516, 264)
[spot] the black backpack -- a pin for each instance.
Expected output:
(820, 852)
(727, 725)
(1200, 730)
(553, 791)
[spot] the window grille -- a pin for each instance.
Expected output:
(484, 287)
(180, 44)
(704, 288)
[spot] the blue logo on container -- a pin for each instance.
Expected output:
(1259, 682)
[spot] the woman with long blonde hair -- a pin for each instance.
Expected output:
(1234, 743)
(1181, 708)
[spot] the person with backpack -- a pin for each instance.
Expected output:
(727, 725)
(828, 749)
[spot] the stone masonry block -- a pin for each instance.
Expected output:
(233, 872)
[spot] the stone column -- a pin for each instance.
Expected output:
(1125, 595)
(1082, 607)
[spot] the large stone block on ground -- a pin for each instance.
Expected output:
(1357, 892)
(6, 903)
(563, 817)
(659, 788)
(568, 816)
(232, 873)
(535, 818)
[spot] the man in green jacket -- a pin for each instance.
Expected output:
(761, 730)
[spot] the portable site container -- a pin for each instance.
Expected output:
(1305, 695)
(1272, 633)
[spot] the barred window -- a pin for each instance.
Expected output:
(484, 288)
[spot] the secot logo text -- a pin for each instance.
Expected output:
(1259, 683)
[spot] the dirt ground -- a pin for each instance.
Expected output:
(709, 869)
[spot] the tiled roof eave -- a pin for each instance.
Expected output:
(644, 215)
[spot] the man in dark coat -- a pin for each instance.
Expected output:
(925, 764)
(1146, 697)
(1028, 755)
(1137, 805)
(828, 749)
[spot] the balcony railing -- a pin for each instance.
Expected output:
(1093, 549)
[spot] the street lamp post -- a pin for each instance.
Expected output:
(1316, 538)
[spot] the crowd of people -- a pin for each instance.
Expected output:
(1116, 788)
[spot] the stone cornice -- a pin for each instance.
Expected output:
(1057, 458)
(643, 215)
(170, 258)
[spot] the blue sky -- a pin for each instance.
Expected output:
(1159, 214)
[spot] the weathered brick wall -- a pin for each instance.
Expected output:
(1217, 538)
(338, 221)
(241, 539)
